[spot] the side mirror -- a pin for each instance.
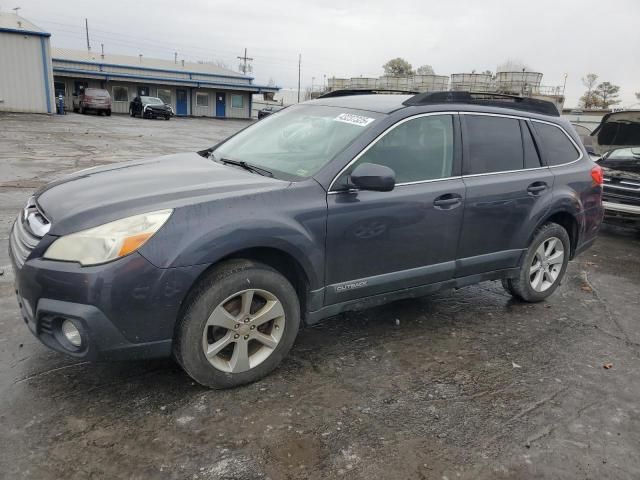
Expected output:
(371, 176)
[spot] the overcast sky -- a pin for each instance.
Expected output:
(343, 39)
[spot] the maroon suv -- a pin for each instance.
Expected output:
(96, 99)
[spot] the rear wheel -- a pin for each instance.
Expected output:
(544, 265)
(82, 110)
(108, 113)
(239, 325)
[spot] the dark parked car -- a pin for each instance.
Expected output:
(150, 107)
(621, 196)
(92, 99)
(219, 256)
(266, 111)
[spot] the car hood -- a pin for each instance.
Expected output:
(617, 129)
(155, 106)
(101, 194)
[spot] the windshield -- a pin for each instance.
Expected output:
(626, 159)
(151, 100)
(297, 141)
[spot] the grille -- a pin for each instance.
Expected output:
(621, 191)
(28, 229)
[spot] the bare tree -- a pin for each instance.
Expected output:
(425, 70)
(398, 67)
(511, 65)
(589, 100)
(607, 94)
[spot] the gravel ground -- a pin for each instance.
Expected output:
(463, 384)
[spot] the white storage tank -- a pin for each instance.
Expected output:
(338, 83)
(524, 83)
(473, 82)
(429, 83)
(365, 83)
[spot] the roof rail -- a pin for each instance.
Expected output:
(487, 99)
(360, 91)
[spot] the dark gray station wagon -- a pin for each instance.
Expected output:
(219, 256)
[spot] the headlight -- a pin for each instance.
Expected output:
(109, 241)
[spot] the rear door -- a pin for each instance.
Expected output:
(380, 242)
(508, 190)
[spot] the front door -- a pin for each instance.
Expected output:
(508, 190)
(181, 101)
(220, 109)
(381, 242)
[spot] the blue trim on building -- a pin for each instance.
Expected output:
(101, 65)
(24, 32)
(45, 70)
(109, 75)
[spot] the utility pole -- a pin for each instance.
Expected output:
(243, 66)
(175, 57)
(299, 70)
(102, 50)
(86, 29)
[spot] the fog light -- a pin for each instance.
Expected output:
(71, 333)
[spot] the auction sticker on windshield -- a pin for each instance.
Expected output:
(354, 119)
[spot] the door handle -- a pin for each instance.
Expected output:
(447, 201)
(536, 188)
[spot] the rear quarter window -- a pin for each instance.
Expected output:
(492, 144)
(555, 146)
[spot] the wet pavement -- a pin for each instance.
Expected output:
(463, 384)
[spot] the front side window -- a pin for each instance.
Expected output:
(164, 95)
(237, 101)
(492, 144)
(120, 94)
(298, 141)
(555, 146)
(416, 150)
(202, 99)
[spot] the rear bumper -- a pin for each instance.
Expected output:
(124, 309)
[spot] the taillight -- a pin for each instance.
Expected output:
(596, 174)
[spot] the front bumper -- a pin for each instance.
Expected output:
(150, 112)
(124, 309)
(621, 213)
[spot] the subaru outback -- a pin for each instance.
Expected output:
(218, 257)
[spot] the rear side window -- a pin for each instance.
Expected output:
(555, 146)
(492, 144)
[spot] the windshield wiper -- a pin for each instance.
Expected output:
(247, 166)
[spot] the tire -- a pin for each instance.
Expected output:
(167, 117)
(536, 285)
(75, 109)
(131, 112)
(229, 284)
(108, 113)
(82, 110)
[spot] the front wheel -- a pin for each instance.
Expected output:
(544, 265)
(240, 323)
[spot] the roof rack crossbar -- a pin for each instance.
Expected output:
(502, 100)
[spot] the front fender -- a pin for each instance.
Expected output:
(293, 221)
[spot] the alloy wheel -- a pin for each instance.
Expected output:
(243, 330)
(547, 264)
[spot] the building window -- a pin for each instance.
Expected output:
(202, 99)
(164, 95)
(237, 101)
(120, 94)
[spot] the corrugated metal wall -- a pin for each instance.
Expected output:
(23, 87)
